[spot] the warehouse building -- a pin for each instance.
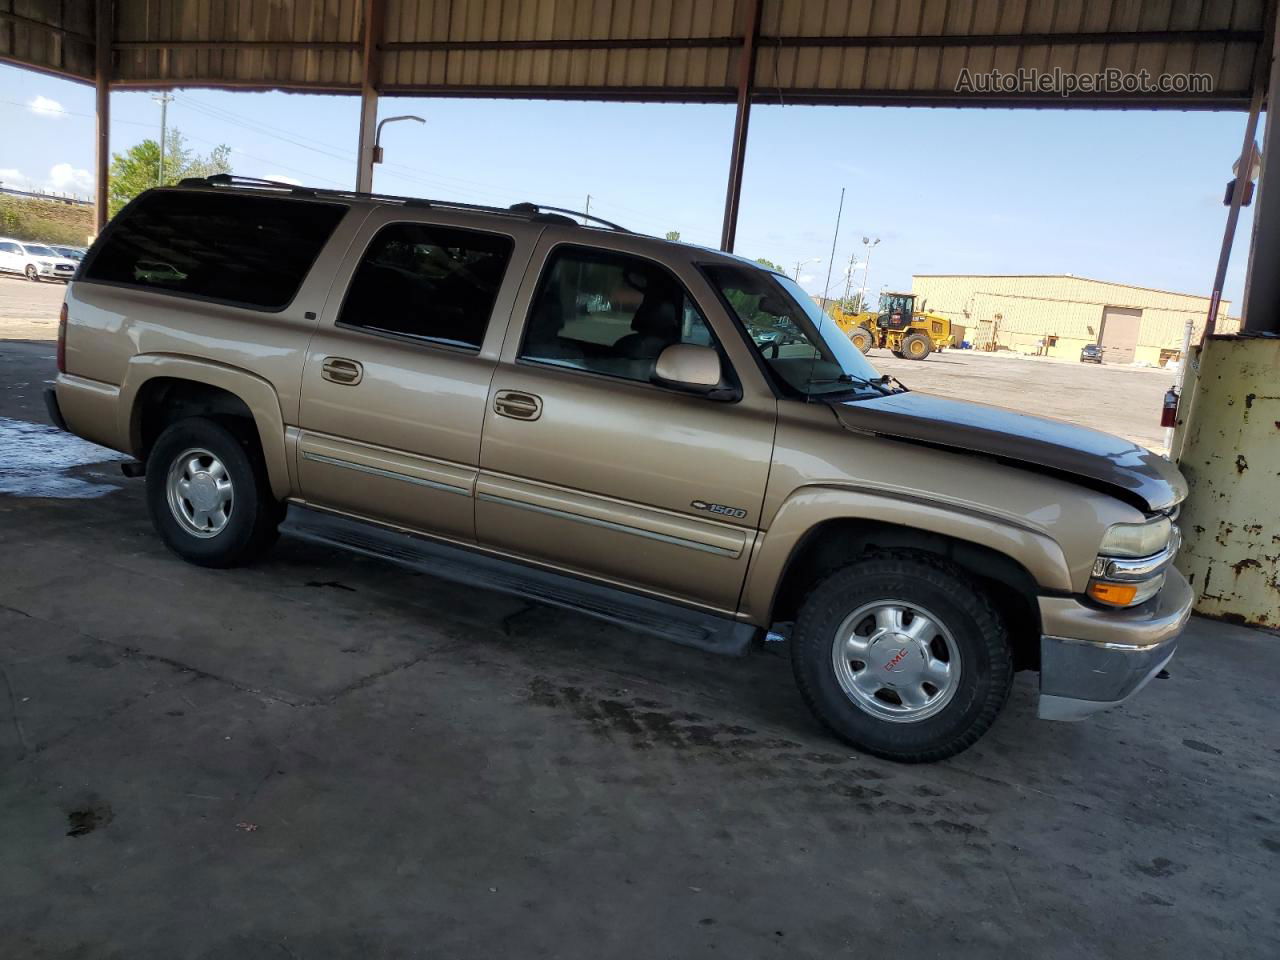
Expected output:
(1057, 314)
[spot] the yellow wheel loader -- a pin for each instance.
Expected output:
(898, 327)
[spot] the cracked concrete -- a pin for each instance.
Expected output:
(235, 764)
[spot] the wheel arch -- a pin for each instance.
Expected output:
(820, 530)
(159, 389)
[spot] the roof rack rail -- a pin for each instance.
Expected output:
(531, 211)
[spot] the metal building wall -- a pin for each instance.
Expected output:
(1020, 311)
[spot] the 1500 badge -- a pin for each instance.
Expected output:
(719, 509)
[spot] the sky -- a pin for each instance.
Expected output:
(1128, 196)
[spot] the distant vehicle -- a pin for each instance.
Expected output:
(152, 271)
(909, 333)
(35, 261)
(1091, 353)
(71, 253)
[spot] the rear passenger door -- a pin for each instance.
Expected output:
(398, 372)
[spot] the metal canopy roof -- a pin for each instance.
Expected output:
(806, 51)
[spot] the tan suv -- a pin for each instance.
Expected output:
(653, 433)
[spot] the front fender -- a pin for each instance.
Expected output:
(256, 393)
(809, 507)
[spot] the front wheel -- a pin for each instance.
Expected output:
(208, 495)
(917, 346)
(903, 656)
(32, 273)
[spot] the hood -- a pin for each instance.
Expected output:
(1131, 471)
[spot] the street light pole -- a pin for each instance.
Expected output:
(866, 267)
(377, 138)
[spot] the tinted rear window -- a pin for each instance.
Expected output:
(243, 250)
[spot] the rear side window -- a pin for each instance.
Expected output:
(428, 282)
(243, 250)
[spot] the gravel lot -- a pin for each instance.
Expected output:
(326, 756)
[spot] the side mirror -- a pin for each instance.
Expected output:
(688, 366)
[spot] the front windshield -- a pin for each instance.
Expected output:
(39, 249)
(804, 349)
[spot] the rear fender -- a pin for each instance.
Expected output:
(256, 393)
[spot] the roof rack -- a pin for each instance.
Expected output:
(529, 211)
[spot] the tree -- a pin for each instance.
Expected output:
(854, 304)
(138, 168)
(770, 265)
(673, 234)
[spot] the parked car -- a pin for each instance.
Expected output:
(152, 271)
(71, 253)
(1091, 353)
(34, 260)
(588, 417)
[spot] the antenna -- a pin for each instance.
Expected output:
(817, 347)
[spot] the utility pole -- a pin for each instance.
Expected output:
(163, 99)
(587, 211)
(848, 282)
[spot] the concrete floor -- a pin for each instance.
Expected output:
(326, 756)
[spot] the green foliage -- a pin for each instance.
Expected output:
(770, 265)
(45, 221)
(854, 304)
(138, 168)
(673, 234)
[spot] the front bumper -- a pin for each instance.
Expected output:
(1093, 659)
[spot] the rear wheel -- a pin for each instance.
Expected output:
(903, 656)
(208, 495)
(917, 346)
(32, 273)
(861, 338)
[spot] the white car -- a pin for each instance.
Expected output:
(35, 261)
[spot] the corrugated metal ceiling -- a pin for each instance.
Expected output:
(809, 51)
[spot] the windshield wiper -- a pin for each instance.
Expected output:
(879, 384)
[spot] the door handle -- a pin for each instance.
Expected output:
(517, 405)
(341, 370)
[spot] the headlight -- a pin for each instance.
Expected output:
(1137, 539)
(1131, 562)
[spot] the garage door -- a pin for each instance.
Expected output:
(1119, 333)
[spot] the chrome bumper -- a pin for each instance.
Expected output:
(1093, 659)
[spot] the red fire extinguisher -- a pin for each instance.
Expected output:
(1169, 412)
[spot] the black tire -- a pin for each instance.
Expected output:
(955, 601)
(917, 346)
(253, 517)
(861, 338)
(32, 273)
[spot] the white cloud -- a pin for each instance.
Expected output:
(46, 107)
(15, 179)
(283, 178)
(65, 178)
(807, 278)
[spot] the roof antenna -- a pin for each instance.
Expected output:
(817, 347)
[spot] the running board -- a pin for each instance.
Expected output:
(679, 624)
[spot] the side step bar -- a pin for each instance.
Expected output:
(679, 624)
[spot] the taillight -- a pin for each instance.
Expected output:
(62, 339)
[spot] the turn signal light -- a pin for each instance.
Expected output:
(1113, 594)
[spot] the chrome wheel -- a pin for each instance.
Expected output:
(199, 492)
(896, 661)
